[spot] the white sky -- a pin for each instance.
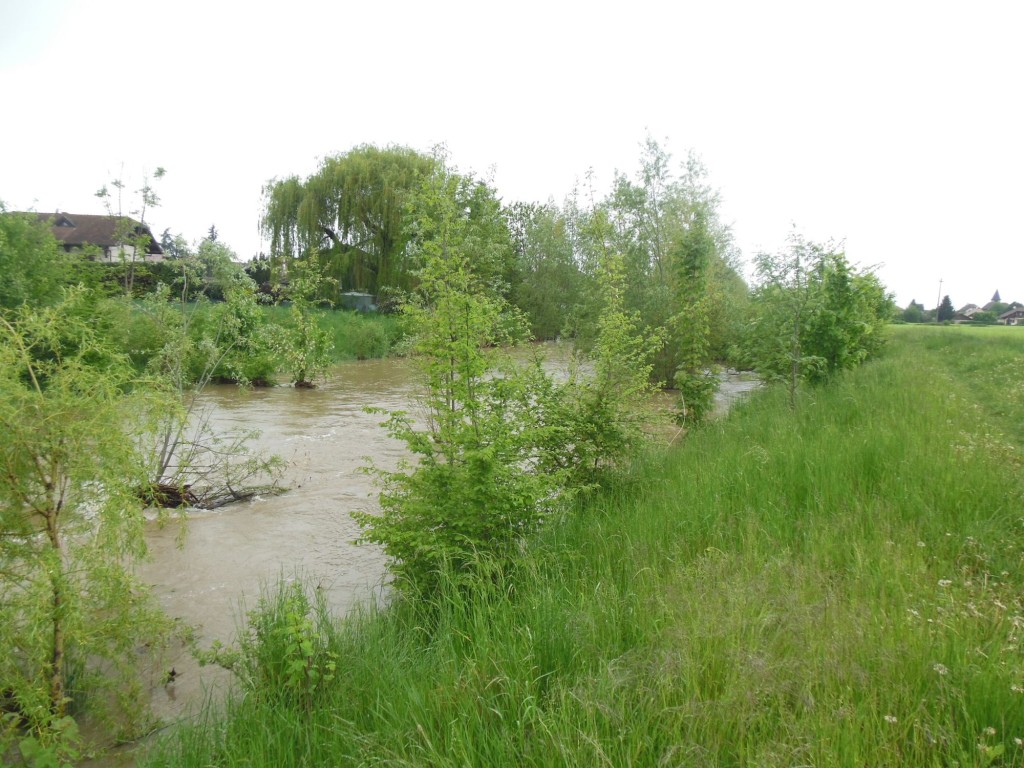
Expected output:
(897, 126)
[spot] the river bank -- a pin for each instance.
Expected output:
(788, 587)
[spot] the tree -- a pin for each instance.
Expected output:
(173, 246)
(549, 284)
(211, 233)
(914, 313)
(32, 265)
(945, 311)
(691, 325)
(503, 443)
(812, 315)
(184, 342)
(72, 614)
(649, 217)
(597, 417)
(218, 267)
(188, 461)
(470, 495)
(302, 345)
(352, 211)
(132, 240)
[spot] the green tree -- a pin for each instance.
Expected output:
(71, 615)
(219, 267)
(32, 265)
(184, 342)
(984, 318)
(691, 325)
(779, 307)
(302, 345)
(812, 315)
(133, 240)
(469, 496)
(353, 212)
(174, 246)
(914, 313)
(597, 418)
(945, 311)
(549, 284)
(649, 217)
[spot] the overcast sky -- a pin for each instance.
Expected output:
(895, 126)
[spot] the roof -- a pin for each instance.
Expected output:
(1015, 312)
(77, 229)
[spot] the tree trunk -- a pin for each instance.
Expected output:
(57, 690)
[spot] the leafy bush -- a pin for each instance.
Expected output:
(503, 443)
(284, 652)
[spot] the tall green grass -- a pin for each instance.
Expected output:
(835, 586)
(355, 335)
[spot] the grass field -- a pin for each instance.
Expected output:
(839, 585)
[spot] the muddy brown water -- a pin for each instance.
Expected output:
(325, 436)
(229, 555)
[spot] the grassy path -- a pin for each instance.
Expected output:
(836, 586)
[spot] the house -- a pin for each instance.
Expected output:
(966, 313)
(1013, 316)
(116, 237)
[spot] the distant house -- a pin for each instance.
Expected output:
(966, 313)
(1013, 316)
(115, 237)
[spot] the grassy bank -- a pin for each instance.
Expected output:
(356, 335)
(840, 585)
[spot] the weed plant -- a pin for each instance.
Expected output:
(837, 585)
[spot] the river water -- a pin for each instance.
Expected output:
(326, 437)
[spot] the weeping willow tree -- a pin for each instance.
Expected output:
(352, 211)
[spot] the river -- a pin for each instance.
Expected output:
(325, 436)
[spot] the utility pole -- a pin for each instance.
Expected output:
(938, 302)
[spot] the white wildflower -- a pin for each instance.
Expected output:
(942, 669)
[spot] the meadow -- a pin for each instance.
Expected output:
(838, 584)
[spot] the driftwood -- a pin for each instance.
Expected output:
(175, 497)
(168, 496)
(230, 496)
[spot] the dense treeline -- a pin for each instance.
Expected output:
(682, 272)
